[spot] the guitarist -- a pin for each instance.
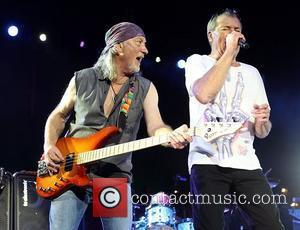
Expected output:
(222, 89)
(112, 92)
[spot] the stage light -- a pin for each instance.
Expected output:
(43, 37)
(294, 204)
(82, 44)
(181, 64)
(13, 31)
(157, 59)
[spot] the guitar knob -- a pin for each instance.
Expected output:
(51, 189)
(43, 189)
(57, 184)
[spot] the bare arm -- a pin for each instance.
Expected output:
(55, 125)
(155, 124)
(206, 88)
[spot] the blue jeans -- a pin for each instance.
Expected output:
(67, 210)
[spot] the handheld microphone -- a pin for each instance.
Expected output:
(243, 44)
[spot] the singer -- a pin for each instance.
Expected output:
(222, 89)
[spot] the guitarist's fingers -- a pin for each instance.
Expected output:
(57, 153)
(177, 140)
(52, 167)
(174, 141)
(177, 137)
(176, 146)
(187, 137)
(53, 156)
(183, 132)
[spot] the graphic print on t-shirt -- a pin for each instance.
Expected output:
(217, 112)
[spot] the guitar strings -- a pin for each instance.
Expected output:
(69, 162)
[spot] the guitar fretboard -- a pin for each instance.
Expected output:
(207, 130)
(110, 151)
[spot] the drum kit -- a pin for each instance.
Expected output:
(161, 215)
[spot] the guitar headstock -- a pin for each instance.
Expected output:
(210, 131)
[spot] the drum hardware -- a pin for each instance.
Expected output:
(273, 183)
(185, 224)
(140, 224)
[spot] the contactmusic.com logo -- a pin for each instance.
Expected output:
(110, 197)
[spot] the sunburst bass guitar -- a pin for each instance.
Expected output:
(78, 152)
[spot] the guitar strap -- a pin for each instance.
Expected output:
(125, 104)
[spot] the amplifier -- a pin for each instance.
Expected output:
(5, 200)
(30, 210)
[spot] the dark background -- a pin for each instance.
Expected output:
(35, 74)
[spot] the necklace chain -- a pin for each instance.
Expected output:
(113, 93)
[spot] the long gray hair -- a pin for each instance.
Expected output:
(106, 65)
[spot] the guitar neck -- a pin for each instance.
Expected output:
(208, 131)
(115, 150)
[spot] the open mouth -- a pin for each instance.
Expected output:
(139, 59)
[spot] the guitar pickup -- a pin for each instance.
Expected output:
(69, 162)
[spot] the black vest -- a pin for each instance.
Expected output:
(91, 92)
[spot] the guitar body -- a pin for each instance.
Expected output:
(71, 173)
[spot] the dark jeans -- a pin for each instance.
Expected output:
(211, 187)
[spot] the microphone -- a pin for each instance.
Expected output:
(243, 44)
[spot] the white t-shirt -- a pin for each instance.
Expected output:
(242, 89)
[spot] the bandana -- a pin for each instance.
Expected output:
(121, 32)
